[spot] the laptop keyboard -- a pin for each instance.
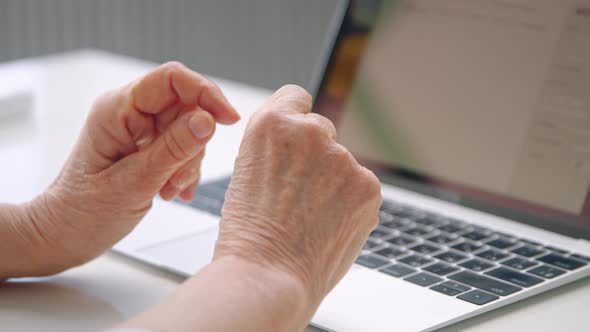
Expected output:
(449, 256)
(459, 259)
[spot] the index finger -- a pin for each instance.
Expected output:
(173, 82)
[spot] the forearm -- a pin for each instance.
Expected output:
(23, 249)
(231, 295)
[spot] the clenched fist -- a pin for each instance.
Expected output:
(298, 201)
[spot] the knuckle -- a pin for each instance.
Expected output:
(297, 92)
(208, 86)
(173, 66)
(290, 98)
(372, 182)
(342, 156)
(102, 100)
(111, 101)
(311, 129)
(370, 188)
(326, 124)
(264, 121)
(373, 221)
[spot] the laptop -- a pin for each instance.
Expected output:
(476, 117)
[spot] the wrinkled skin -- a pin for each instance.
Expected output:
(137, 141)
(298, 201)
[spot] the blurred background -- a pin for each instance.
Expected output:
(261, 42)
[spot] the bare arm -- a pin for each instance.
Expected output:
(231, 294)
(22, 251)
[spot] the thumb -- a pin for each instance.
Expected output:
(181, 141)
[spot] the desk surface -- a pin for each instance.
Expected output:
(112, 288)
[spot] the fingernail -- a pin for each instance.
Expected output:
(201, 125)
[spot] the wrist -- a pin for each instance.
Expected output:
(285, 297)
(23, 248)
(232, 294)
(42, 238)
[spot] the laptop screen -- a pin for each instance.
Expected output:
(485, 103)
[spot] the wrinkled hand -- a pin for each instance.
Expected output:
(298, 201)
(141, 139)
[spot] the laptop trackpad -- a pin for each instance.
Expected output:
(186, 254)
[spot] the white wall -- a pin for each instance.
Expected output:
(264, 42)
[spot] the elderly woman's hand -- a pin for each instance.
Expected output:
(298, 202)
(141, 139)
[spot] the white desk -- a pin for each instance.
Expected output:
(111, 288)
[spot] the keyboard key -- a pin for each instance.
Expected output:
(397, 270)
(445, 290)
(476, 265)
(384, 217)
(395, 224)
(527, 251)
(442, 238)
(581, 257)
(440, 268)
(561, 251)
(476, 235)
(429, 220)
(561, 261)
(371, 261)
(484, 283)
(519, 263)
(455, 285)
(425, 248)
(402, 240)
(492, 255)
(390, 252)
(450, 288)
(478, 297)
(546, 271)
(423, 279)
(379, 233)
(451, 256)
(515, 277)
(467, 246)
(501, 242)
(371, 243)
(418, 230)
(416, 260)
(452, 227)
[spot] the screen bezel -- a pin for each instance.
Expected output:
(444, 190)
